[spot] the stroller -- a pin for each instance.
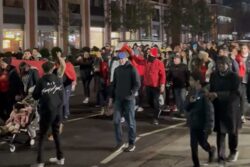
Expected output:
(29, 129)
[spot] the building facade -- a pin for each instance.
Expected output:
(42, 23)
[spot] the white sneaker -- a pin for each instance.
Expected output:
(136, 108)
(57, 161)
(140, 109)
(38, 165)
(86, 100)
(122, 119)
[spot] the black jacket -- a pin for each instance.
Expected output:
(49, 91)
(227, 104)
(15, 82)
(32, 79)
(200, 112)
(126, 82)
(179, 75)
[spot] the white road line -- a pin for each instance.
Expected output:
(2, 143)
(116, 153)
(163, 129)
(81, 118)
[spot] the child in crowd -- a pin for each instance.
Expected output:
(19, 117)
(200, 118)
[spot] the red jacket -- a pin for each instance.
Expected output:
(104, 71)
(242, 66)
(70, 71)
(139, 63)
(155, 74)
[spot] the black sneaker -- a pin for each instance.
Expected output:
(233, 157)
(211, 154)
(119, 147)
(130, 148)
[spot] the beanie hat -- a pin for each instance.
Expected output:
(7, 60)
(154, 52)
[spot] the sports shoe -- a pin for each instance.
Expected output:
(130, 148)
(86, 100)
(211, 154)
(38, 165)
(122, 119)
(140, 109)
(119, 147)
(233, 157)
(221, 164)
(57, 161)
(243, 119)
(155, 122)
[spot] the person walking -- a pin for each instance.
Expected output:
(200, 118)
(227, 106)
(49, 91)
(154, 81)
(126, 83)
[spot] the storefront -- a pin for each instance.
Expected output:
(97, 37)
(74, 38)
(47, 38)
(12, 40)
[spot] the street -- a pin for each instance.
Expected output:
(88, 141)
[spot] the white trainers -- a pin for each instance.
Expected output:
(86, 100)
(140, 109)
(122, 119)
(38, 165)
(57, 161)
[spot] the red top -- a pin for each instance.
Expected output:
(4, 82)
(242, 66)
(155, 74)
(70, 71)
(139, 63)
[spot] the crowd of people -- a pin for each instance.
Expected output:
(203, 82)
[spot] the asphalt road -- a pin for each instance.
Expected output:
(88, 141)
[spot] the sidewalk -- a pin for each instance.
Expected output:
(177, 153)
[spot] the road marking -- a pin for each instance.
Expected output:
(116, 153)
(81, 118)
(2, 143)
(163, 129)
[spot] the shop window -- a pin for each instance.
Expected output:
(12, 40)
(47, 39)
(74, 39)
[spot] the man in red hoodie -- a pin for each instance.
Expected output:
(154, 81)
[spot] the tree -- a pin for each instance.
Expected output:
(186, 14)
(173, 20)
(132, 17)
(200, 18)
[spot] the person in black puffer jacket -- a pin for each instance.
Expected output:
(200, 118)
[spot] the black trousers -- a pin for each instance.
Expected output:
(198, 137)
(45, 124)
(243, 98)
(232, 143)
(6, 105)
(153, 95)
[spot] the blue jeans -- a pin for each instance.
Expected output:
(67, 92)
(180, 96)
(124, 108)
